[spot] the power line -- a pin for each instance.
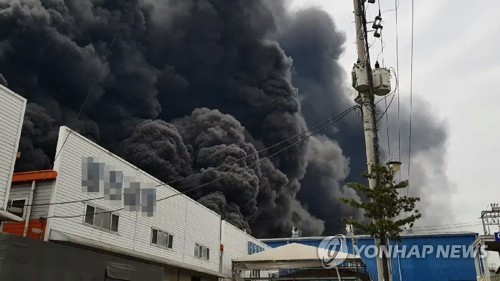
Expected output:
(396, 6)
(272, 146)
(337, 118)
(382, 44)
(94, 80)
(326, 122)
(418, 228)
(411, 87)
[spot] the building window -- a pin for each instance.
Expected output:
(161, 238)
(16, 207)
(201, 252)
(101, 218)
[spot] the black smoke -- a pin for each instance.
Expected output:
(193, 86)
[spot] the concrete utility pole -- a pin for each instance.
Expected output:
(363, 83)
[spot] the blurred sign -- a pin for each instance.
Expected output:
(497, 236)
(100, 178)
(253, 248)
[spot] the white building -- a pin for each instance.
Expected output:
(12, 108)
(190, 241)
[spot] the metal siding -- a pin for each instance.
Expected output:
(12, 107)
(43, 192)
(184, 218)
(20, 191)
(429, 268)
(235, 243)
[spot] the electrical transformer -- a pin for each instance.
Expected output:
(381, 81)
(360, 78)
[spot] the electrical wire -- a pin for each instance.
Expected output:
(323, 123)
(382, 45)
(371, 106)
(94, 79)
(386, 113)
(230, 172)
(381, 52)
(436, 227)
(411, 88)
(272, 146)
(396, 6)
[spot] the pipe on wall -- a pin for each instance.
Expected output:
(27, 216)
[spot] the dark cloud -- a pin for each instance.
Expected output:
(311, 38)
(191, 86)
(3, 81)
(216, 201)
(428, 165)
(157, 147)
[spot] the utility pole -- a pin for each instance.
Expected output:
(363, 82)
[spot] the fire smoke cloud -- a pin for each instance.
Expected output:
(194, 85)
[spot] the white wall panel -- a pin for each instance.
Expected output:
(235, 243)
(12, 107)
(188, 221)
(43, 191)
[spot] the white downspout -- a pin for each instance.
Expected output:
(27, 217)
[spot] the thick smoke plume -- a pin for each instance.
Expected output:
(192, 86)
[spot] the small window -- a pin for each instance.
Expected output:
(162, 238)
(114, 222)
(170, 241)
(154, 236)
(89, 214)
(101, 218)
(201, 252)
(16, 207)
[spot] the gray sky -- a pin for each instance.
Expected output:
(454, 66)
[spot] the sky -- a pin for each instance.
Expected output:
(455, 58)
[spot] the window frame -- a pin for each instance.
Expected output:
(201, 252)
(101, 209)
(9, 203)
(159, 233)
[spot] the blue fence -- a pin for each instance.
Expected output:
(451, 257)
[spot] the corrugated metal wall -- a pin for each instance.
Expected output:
(43, 192)
(188, 221)
(12, 107)
(430, 268)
